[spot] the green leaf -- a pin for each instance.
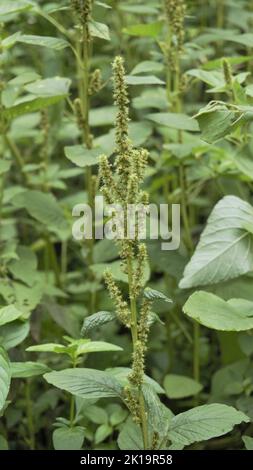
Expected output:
(214, 312)
(153, 294)
(44, 208)
(14, 7)
(130, 436)
(117, 272)
(4, 166)
(95, 320)
(24, 268)
(48, 347)
(102, 432)
(147, 66)
(22, 370)
(179, 386)
(248, 441)
(225, 249)
(99, 30)
(9, 314)
(86, 383)
(56, 86)
(96, 414)
(43, 41)
(216, 120)
(5, 377)
(144, 80)
(13, 334)
(29, 105)
(143, 30)
(175, 121)
(81, 156)
(203, 423)
(87, 346)
(68, 438)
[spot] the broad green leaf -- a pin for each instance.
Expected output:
(81, 156)
(225, 249)
(203, 423)
(56, 86)
(86, 383)
(5, 377)
(14, 7)
(29, 105)
(147, 66)
(9, 314)
(95, 320)
(248, 441)
(216, 313)
(216, 120)
(175, 121)
(68, 438)
(13, 334)
(27, 369)
(45, 209)
(150, 29)
(180, 386)
(153, 294)
(99, 30)
(143, 80)
(43, 41)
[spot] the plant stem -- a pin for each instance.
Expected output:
(196, 364)
(134, 332)
(16, 154)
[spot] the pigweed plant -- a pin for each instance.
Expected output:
(122, 342)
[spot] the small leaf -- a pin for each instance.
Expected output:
(179, 386)
(99, 30)
(13, 334)
(81, 156)
(150, 29)
(27, 369)
(9, 314)
(102, 432)
(175, 121)
(68, 438)
(144, 80)
(14, 7)
(153, 294)
(95, 320)
(147, 66)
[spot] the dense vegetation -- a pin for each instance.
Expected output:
(118, 344)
